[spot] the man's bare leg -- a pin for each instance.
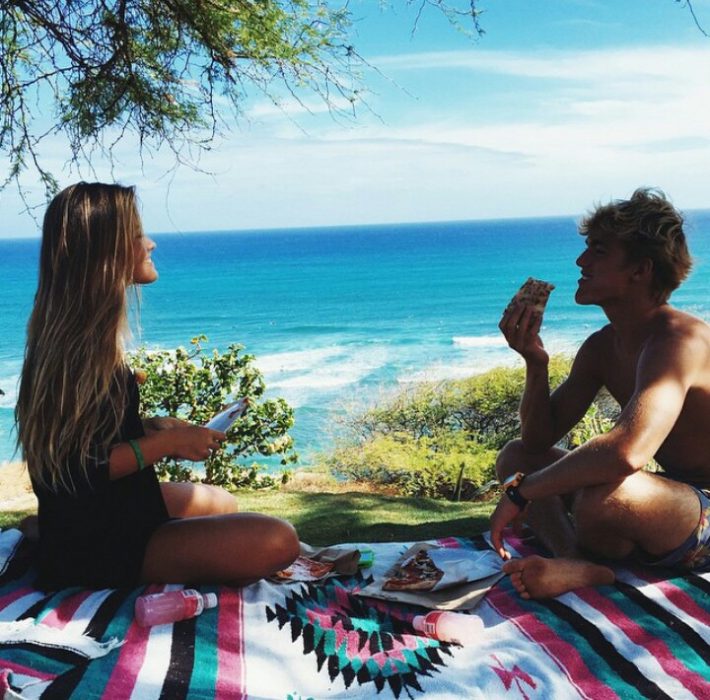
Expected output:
(548, 518)
(643, 511)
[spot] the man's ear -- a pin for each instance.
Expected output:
(642, 270)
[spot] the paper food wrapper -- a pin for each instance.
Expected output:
(317, 563)
(468, 576)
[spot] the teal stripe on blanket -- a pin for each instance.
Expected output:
(601, 665)
(97, 673)
(205, 669)
(673, 633)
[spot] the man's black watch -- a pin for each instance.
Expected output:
(512, 489)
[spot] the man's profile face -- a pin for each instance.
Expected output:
(605, 271)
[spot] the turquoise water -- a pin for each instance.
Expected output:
(339, 317)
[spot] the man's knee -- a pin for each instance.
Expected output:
(514, 457)
(509, 459)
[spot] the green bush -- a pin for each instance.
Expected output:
(449, 465)
(484, 405)
(441, 439)
(195, 385)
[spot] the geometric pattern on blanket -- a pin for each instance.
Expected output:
(648, 635)
(363, 640)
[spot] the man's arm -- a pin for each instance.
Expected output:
(665, 372)
(545, 418)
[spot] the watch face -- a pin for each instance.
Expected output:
(513, 480)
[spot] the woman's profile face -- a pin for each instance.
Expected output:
(144, 271)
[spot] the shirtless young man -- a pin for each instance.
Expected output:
(596, 502)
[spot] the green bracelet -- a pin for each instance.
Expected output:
(137, 452)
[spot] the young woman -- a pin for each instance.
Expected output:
(104, 519)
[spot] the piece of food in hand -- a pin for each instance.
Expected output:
(140, 375)
(418, 573)
(533, 293)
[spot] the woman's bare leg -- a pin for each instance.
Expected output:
(186, 500)
(235, 549)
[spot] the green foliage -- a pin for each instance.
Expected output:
(441, 439)
(195, 385)
(447, 465)
(485, 405)
(170, 72)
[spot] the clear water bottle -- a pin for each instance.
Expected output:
(171, 606)
(449, 626)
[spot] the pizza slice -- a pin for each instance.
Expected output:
(305, 569)
(533, 293)
(418, 573)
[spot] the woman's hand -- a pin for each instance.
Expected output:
(193, 442)
(520, 325)
(156, 423)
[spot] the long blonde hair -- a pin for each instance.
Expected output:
(73, 384)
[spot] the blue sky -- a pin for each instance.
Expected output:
(559, 105)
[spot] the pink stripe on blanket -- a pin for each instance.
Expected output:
(65, 611)
(15, 595)
(6, 665)
(130, 659)
(573, 667)
(231, 669)
(676, 595)
(654, 645)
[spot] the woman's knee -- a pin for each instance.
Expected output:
(281, 540)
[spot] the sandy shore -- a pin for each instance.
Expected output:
(15, 488)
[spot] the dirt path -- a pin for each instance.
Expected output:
(15, 488)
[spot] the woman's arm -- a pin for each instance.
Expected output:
(186, 441)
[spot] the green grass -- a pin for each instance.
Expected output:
(350, 516)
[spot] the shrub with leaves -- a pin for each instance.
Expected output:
(449, 465)
(441, 439)
(195, 385)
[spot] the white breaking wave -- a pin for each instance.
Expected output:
(479, 341)
(296, 360)
(324, 371)
(439, 372)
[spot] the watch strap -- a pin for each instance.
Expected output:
(513, 490)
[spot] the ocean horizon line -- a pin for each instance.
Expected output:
(330, 228)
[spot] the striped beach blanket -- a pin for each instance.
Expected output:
(647, 636)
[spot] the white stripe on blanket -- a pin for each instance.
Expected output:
(9, 542)
(156, 660)
(654, 593)
(24, 687)
(643, 659)
(29, 632)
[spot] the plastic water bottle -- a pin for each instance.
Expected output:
(171, 606)
(449, 626)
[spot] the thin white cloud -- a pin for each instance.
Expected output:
(611, 66)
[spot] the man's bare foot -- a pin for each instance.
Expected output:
(537, 577)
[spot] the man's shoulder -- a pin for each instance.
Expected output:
(676, 325)
(600, 338)
(681, 335)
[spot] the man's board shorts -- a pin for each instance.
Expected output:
(694, 553)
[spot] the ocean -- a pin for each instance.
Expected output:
(339, 318)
